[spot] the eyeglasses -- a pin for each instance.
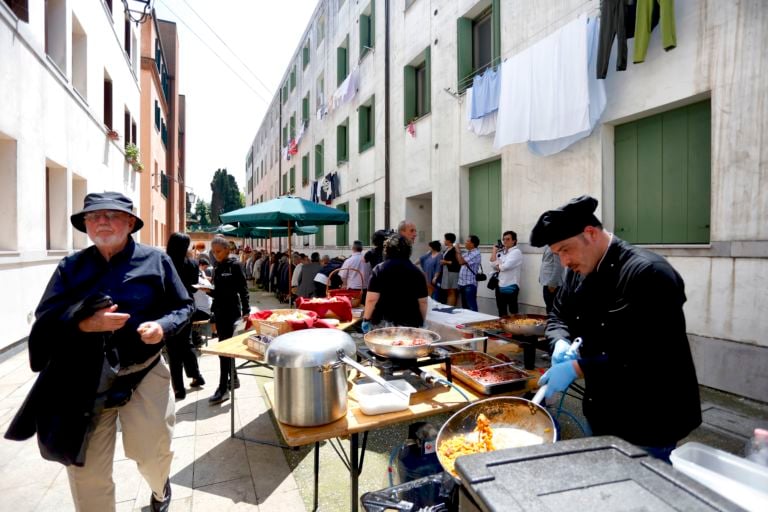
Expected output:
(108, 215)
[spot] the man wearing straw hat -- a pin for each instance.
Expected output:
(96, 342)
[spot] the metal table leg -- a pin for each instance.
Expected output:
(317, 476)
(353, 469)
(232, 375)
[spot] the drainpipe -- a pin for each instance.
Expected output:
(386, 116)
(280, 154)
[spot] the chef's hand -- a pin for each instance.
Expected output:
(365, 326)
(151, 332)
(561, 353)
(104, 320)
(559, 377)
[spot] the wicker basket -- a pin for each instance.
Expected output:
(354, 296)
(272, 328)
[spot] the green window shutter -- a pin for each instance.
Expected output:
(341, 65)
(292, 128)
(365, 219)
(365, 33)
(362, 127)
(428, 80)
(342, 143)
(485, 201)
(662, 177)
(293, 77)
(464, 52)
(320, 236)
(285, 185)
(285, 135)
(319, 150)
(409, 80)
(292, 179)
(305, 55)
(305, 108)
(305, 169)
(496, 30)
(372, 23)
(342, 230)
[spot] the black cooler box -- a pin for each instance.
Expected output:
(596, 474)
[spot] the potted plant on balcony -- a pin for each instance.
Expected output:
(132, 156)
(112, 134)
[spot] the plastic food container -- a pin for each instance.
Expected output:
(374, 399)
(739, 480)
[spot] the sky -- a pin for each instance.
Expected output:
(225, 110)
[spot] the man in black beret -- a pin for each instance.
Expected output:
(96, 341)
(626, 304)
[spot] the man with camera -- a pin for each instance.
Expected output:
(507, 260)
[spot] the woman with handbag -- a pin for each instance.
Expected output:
(507, 260)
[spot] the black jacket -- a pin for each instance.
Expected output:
(230, 294)
(640, 380)
(61, 408)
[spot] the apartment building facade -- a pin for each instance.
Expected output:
(697, 110)
(70, 103)
(163, 198)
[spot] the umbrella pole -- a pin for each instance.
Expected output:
(269, 266)
(290, 268)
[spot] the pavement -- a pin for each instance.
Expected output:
(213, 472)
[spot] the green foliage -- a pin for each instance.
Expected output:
(226, 195)
(203, 213)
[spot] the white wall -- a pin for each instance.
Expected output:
(48, 122)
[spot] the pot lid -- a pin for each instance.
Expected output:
(307, 348)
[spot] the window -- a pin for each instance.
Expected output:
(366, 124)
(108, 101)
(320, 30)
(319, 155)
(292, 126)
(305, 55)
(305, 170)
(305, 110)
(485, 201)
(8, 194)
(365, 219)
(79, 59)
(157, 115)
(285, 91)
(20, 8)
(478, 43)
(662, 168)
(367, 29)
(79, 191)
(292, 179)
(342, 62)
(127, 37)
(285, 184)
(109, 4)
(55, 32)
(417, 87)
(342, 230)
(164, 184)
(285, 135)
(320, 93)
(342, 142)
(293, 77)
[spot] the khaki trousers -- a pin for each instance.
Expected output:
(146, 422)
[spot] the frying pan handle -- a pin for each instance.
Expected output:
(457, 342)
(539, 396)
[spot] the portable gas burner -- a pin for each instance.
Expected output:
(391, 367)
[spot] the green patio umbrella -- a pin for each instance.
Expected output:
(288, 212)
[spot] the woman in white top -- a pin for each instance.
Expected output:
(508, 261)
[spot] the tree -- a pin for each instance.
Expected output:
(203, 213)
(225, 196)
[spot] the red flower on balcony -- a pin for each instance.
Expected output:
(113, 135)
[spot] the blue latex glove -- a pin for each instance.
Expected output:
(365, 326)
(560, 354)
(559, 377)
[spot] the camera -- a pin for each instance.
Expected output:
(499, 245)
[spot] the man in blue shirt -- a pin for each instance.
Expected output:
(96, 342)
(470, 263)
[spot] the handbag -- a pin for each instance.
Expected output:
(493, 282)
(479, 275)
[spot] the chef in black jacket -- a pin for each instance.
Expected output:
(626, 304)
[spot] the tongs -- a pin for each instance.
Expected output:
(539, 396)
(373, 376)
